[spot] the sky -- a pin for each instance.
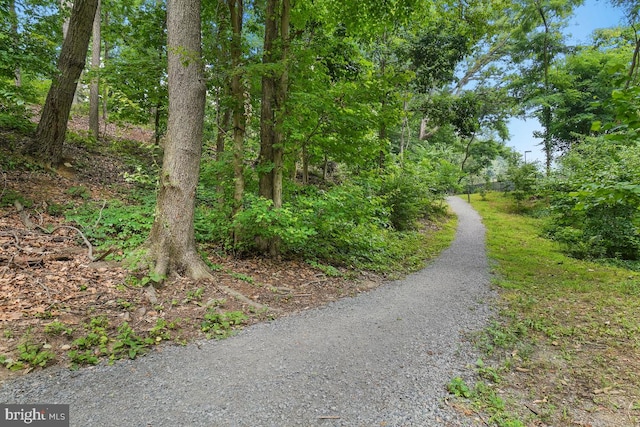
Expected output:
(592, 15)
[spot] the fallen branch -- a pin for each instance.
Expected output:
(24, 217)
(104, 203)
(31, 261)
(86, 241)
(45, 288)
(111, 250)
(531, 409)
(315, 282)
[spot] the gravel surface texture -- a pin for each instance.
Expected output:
(383, 358)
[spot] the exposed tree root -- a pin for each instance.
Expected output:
(194, 267)
(241, 297)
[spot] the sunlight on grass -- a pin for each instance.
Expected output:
(569, 333)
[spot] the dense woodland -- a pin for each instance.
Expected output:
(327, 130)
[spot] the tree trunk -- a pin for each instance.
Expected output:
(171, 242)
(305, 164)
(634, 63)
(546, 110)
(382, 130)
(281, 99)
(14, 33)
(65, 4)
(268, 105)
(236, 11)
(274, 95)
(52, 127)
(105, 93)
(467, 154)
(156, 123)
(94, 89)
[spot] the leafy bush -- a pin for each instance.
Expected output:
(348, 221)
(595, 202)
(603, 221)
(406, 198)
(259, 219)
(524, 178)
(14, 100)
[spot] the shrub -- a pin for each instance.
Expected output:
(259, 219)
(595, 202)
(524, 178)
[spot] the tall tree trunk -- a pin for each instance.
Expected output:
(171, 242)
(236, 12)
(546, 110)
(65, 5)
(281, 99)
(382, 130)
(52, 127)
(157, 113)
(105, 92)
(633, 69)
(268, 105)
(13, 16)
(94, 89)
(274, 95)
(68, 5)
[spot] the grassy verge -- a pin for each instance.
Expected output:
(566, 349)
(410, 251)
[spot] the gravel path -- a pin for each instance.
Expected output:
(380, 359)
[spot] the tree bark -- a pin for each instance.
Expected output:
(467, 154)
(51, 130)
(105, 90)
(94, 89)
(382, 130)
(546, 110)
(268, 105)
(274, 95)
(65, 4)
(13, 16)
(281, 99)
(171, 242)
(236, 11)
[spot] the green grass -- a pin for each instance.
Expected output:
(567, 329)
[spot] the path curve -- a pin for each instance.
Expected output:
(382, 358)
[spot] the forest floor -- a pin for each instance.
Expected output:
(61, 306)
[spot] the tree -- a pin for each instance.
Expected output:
(582, 84)
(94, 88)
(51, 130)
(136, 71)
(236, 13)
(274, 94)
(171, 243)
(632, 12)
(538, 44)
(478, 119)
